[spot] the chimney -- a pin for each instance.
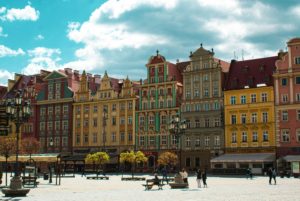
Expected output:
(68, 71)
(97, 78)
(177, 60)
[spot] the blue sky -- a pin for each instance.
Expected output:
(120, 35)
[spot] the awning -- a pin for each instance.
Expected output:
(292, 158)
(244, 158)
(36, 157)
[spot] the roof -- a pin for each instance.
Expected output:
(251, 157)
(224, 65)
(294, 40)
(182, 65)
(250, 73)
(292, 158)
(3, 91)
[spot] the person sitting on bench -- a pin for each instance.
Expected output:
(156, 180)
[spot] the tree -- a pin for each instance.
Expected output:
(7, 148)
(30, 145)
(167, 159)
(133, 158)
(98, 158)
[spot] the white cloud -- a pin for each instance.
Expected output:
(112, 36)
(26, 13)
(6, 51)
(39, 37)
(115, 8)
(4, 76)
(42, 58)
(295, 10)
(1, 33)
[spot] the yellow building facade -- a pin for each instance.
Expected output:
(249, 120)
(105, 120)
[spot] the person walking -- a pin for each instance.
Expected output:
(165, 175)
(204, 177)
(274, 174)
(199, 176)
(270, 174)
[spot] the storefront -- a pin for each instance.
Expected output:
(258, 162)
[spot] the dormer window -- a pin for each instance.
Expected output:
(250, 81)
(246, 69)
(262, 68)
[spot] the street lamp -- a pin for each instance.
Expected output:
(50, 166)
(18, 111)
(104, 118)
(177, 128)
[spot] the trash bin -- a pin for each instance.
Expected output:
(46, 176)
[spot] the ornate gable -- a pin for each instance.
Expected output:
(55, 75)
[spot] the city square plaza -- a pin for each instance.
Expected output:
(219, 188)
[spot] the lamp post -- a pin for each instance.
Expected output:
(50, 166)
(104, 118)
(18, 111)
(177, 128)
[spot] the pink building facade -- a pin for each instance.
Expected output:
(287, 100)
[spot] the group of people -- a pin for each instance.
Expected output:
(201, 175)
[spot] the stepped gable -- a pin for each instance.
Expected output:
(250, 73)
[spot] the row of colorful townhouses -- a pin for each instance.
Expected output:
(243, 114)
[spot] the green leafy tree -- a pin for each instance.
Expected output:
(167, 159)
(133, 158)
(7, 148)
(98, 158)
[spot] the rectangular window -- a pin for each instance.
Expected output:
(163, 119)
(232, 100)
(298, 115)
(284, 115)
(188, 123)
(122, 137)
(206, 141)
(253, 98)
(145, 106)
(142, 120)
(197, 107)
(57, 125)
(254, 136)
(130, 137)
(85, 122)
(86, 109)
(298, 135)
(284, 81)
(217, 122)
(57, 110)
(205, 77)
(196, 93)
(95, 121)
(86, 139)
(215, 91)
(197, 143)
(298, 97)
(77, 138)
(285, 135)
(243, 118)
(187, 142)
(122, 120)
(114, 107)
(122, 106)
(174, 140)
(264, 97)
(206, 106)
(65, 125)
(216, 105)
(142, 140)
(297, 60)
(243, 99)
(130, 105)
(233, 137)
(244, 136)
(113, 137)
(50, 127)
(265, 136)
(253, 117)
(233, 119)
(151, 120)
(95, 109)
(50, 111)
(188, 94)
(94, 138)
(114, 121)
(161, 104)
(206, 94)
(265, 117)
(78, 110)
(152, 140)
(129, 120)
(284, 98)
(163, 140)
(206, 123)
(297, 80)
(42, 126)
(187, 108)
(217, 140)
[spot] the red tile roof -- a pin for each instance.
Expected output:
(250, 73)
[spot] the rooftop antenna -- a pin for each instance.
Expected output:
(234, 55)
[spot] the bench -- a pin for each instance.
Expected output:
(29, 181)
(98, 177)
(178, 182)
(150, 183)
